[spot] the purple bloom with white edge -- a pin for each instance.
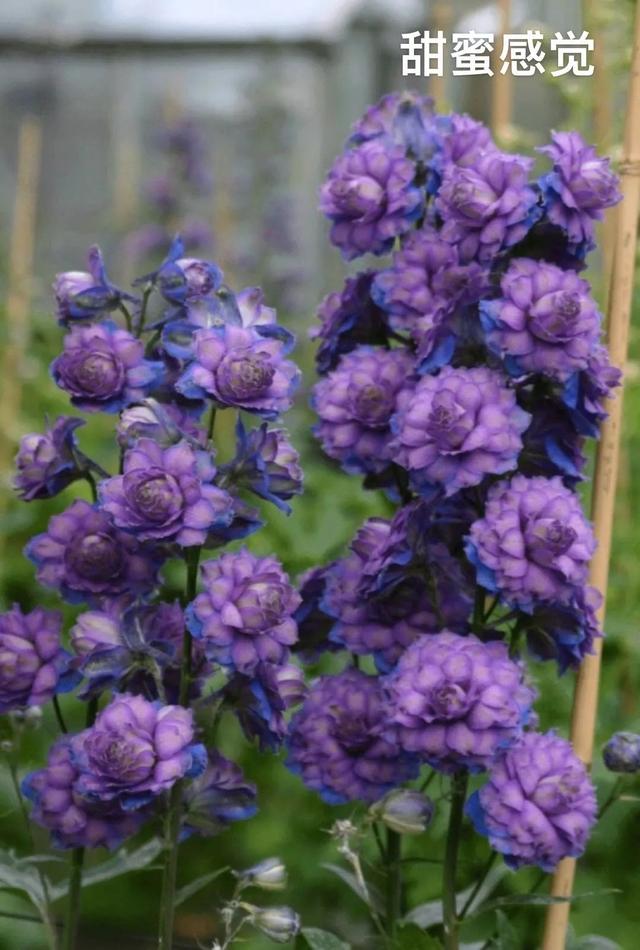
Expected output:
(545, 321)
(261, 699)
(371, 198)
(565, 633)
(165, 423)
(86, 295)
(135, 751)
(33, 665)
(487, 207)
(348, 319)
(584, 394)
(73, 821)
(46, 463)
(539, 804)
(405, 118)
(244, 616)
(218, 797)
(238, 366)
(355, 404)
(465, 141)
(341, 742)
(456, 428)
(83, 554)
(166, 495)
(578, 189)
(456, 701)
(533, 544)
(103, 368)
(266, 464)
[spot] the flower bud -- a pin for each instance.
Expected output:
(280, 924)
(622, 752)
(406, 811)
(270, 875)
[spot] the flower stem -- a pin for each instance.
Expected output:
(172, 820)
(72, 918)
(394, 881)
(449, 906)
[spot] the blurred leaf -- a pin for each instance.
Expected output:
(507, 936)
(429, 914)
(590, 942)
(351, 881)
(16, 874)
(521, 900)
(411, 937)
(184, 893)
(323, 940)
(121, 863)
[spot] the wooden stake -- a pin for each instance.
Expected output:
(440, 20)
(18, 304)
(585, 703)
(502, 83)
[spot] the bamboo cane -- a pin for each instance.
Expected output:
(440, 21)
(585, 703)
(502, 86)
(18, 301)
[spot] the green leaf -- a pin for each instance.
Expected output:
(411, 937)
(507, 936)
(184, 893)
(122, 862)
(591, 942)
(518, 900)
(323, 940)
(18, 874)
(351, 881)
(429, 914)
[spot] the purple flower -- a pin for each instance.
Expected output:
(370, 197)
(181, 278)
(585, 393)
(355, 404)
(73, 821)
(551, 444)
(33, 665)
(135, 751)
(539, 804)
(348, 318)
(165, 423)
(244, 615)
(457, 427)
(487, 207)
(82, 554)
(86, 295)
(385, 622)
(565, 633)
(218, 797)
(166, 495)
(578, 189)
(405, 118)
(266, 464)
(314, 623)
(456, 701)
(533, 543)
(546, 320)
(46, 463)
(240, 367)
(465, 141)
(261, 699)
(103, 368)
(621, 754)
(341, 743)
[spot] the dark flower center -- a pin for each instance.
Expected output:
(245, 377)
(199, 278)
(261, 604)
(549, 539)
(97, 374)
(157, 497)
(449, 701)
(97, 556)
(373, 405)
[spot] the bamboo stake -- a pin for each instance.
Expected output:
(440, 20)
(585, 703)
(502, 86)
(18, 303)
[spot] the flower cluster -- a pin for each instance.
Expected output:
(461, 378)
(156, 672)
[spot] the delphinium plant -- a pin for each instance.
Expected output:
(154, 669)
(461, 377)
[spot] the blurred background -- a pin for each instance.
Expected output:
(122, 121)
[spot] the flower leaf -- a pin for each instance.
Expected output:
(122, 862)
(194, 886)
(17, 874)
(374, 899)
(518, 900)
(323, 940)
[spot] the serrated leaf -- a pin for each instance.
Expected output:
(184, 893)
(351, 881)
(122, 862)
(429, 914)
(411, 937)
(323, 940)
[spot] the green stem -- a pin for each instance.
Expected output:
(143, 310)
(481, 879)
(127, 316)
(394, 881)
(72, 917)
(449, 907)
(172, 820)
(88, 476)
(478, 610)
(59, 717)
(212, 422)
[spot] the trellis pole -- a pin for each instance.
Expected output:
(585, 703)
(502, 84)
